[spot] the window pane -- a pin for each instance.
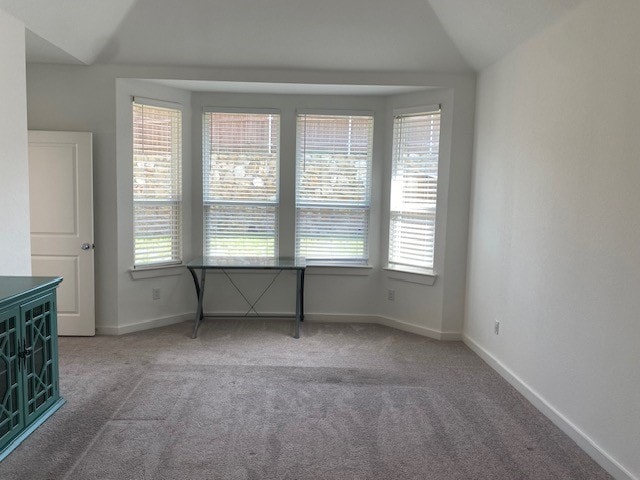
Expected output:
(327, 234)
(333, 186)
(240, 183)
(240, 230)
(412, 239)
(157, 184)
(414, 189)
(154, 231)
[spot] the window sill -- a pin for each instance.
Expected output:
(421, 276)
(156, 271)
(337, 269)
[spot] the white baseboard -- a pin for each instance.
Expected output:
(144, 325)
(386, 321)
(338, 318)
(418, 330)
(310, 317)
(601, 457)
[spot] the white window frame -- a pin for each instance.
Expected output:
(414, 266)
(365, 205)
(275, 203)
(175, 224)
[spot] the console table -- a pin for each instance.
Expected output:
(226, 264)
(29, 390)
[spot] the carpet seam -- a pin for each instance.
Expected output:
(100, 431)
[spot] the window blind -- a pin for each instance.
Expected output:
(333, 187)
(240, 183)
(414, 184)
(157, 184)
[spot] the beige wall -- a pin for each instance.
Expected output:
(15, 243)
(555, 226)
(82, 99)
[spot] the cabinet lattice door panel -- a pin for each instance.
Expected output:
(40, 367)
(11, 418)
(29, 391)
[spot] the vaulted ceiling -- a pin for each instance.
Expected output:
(447, 36)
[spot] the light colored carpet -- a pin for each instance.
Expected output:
(246, 401)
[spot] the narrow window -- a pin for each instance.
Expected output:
(241, 156)
(414, 185)
(333, 187)
(157, 184)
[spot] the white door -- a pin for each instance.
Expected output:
(61, 200)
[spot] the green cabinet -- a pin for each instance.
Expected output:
(11, 417)
(29, 390)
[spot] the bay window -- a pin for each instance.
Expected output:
(333, 186)
(414, 187)
(240, 182)
(157, 183)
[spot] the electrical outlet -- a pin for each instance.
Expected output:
(496, 327)
(156, 293)
(391, 295)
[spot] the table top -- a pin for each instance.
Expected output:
(248, 263)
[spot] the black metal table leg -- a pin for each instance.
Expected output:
(197, 285)
(302, 296)
(195, 281)
(200, 292)
(299, 280)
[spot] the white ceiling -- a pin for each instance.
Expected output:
(447, 36)
(80, 28)
(485, 30)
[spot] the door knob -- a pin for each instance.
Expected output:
(87, 246)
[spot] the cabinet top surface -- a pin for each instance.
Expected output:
(13, 287)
